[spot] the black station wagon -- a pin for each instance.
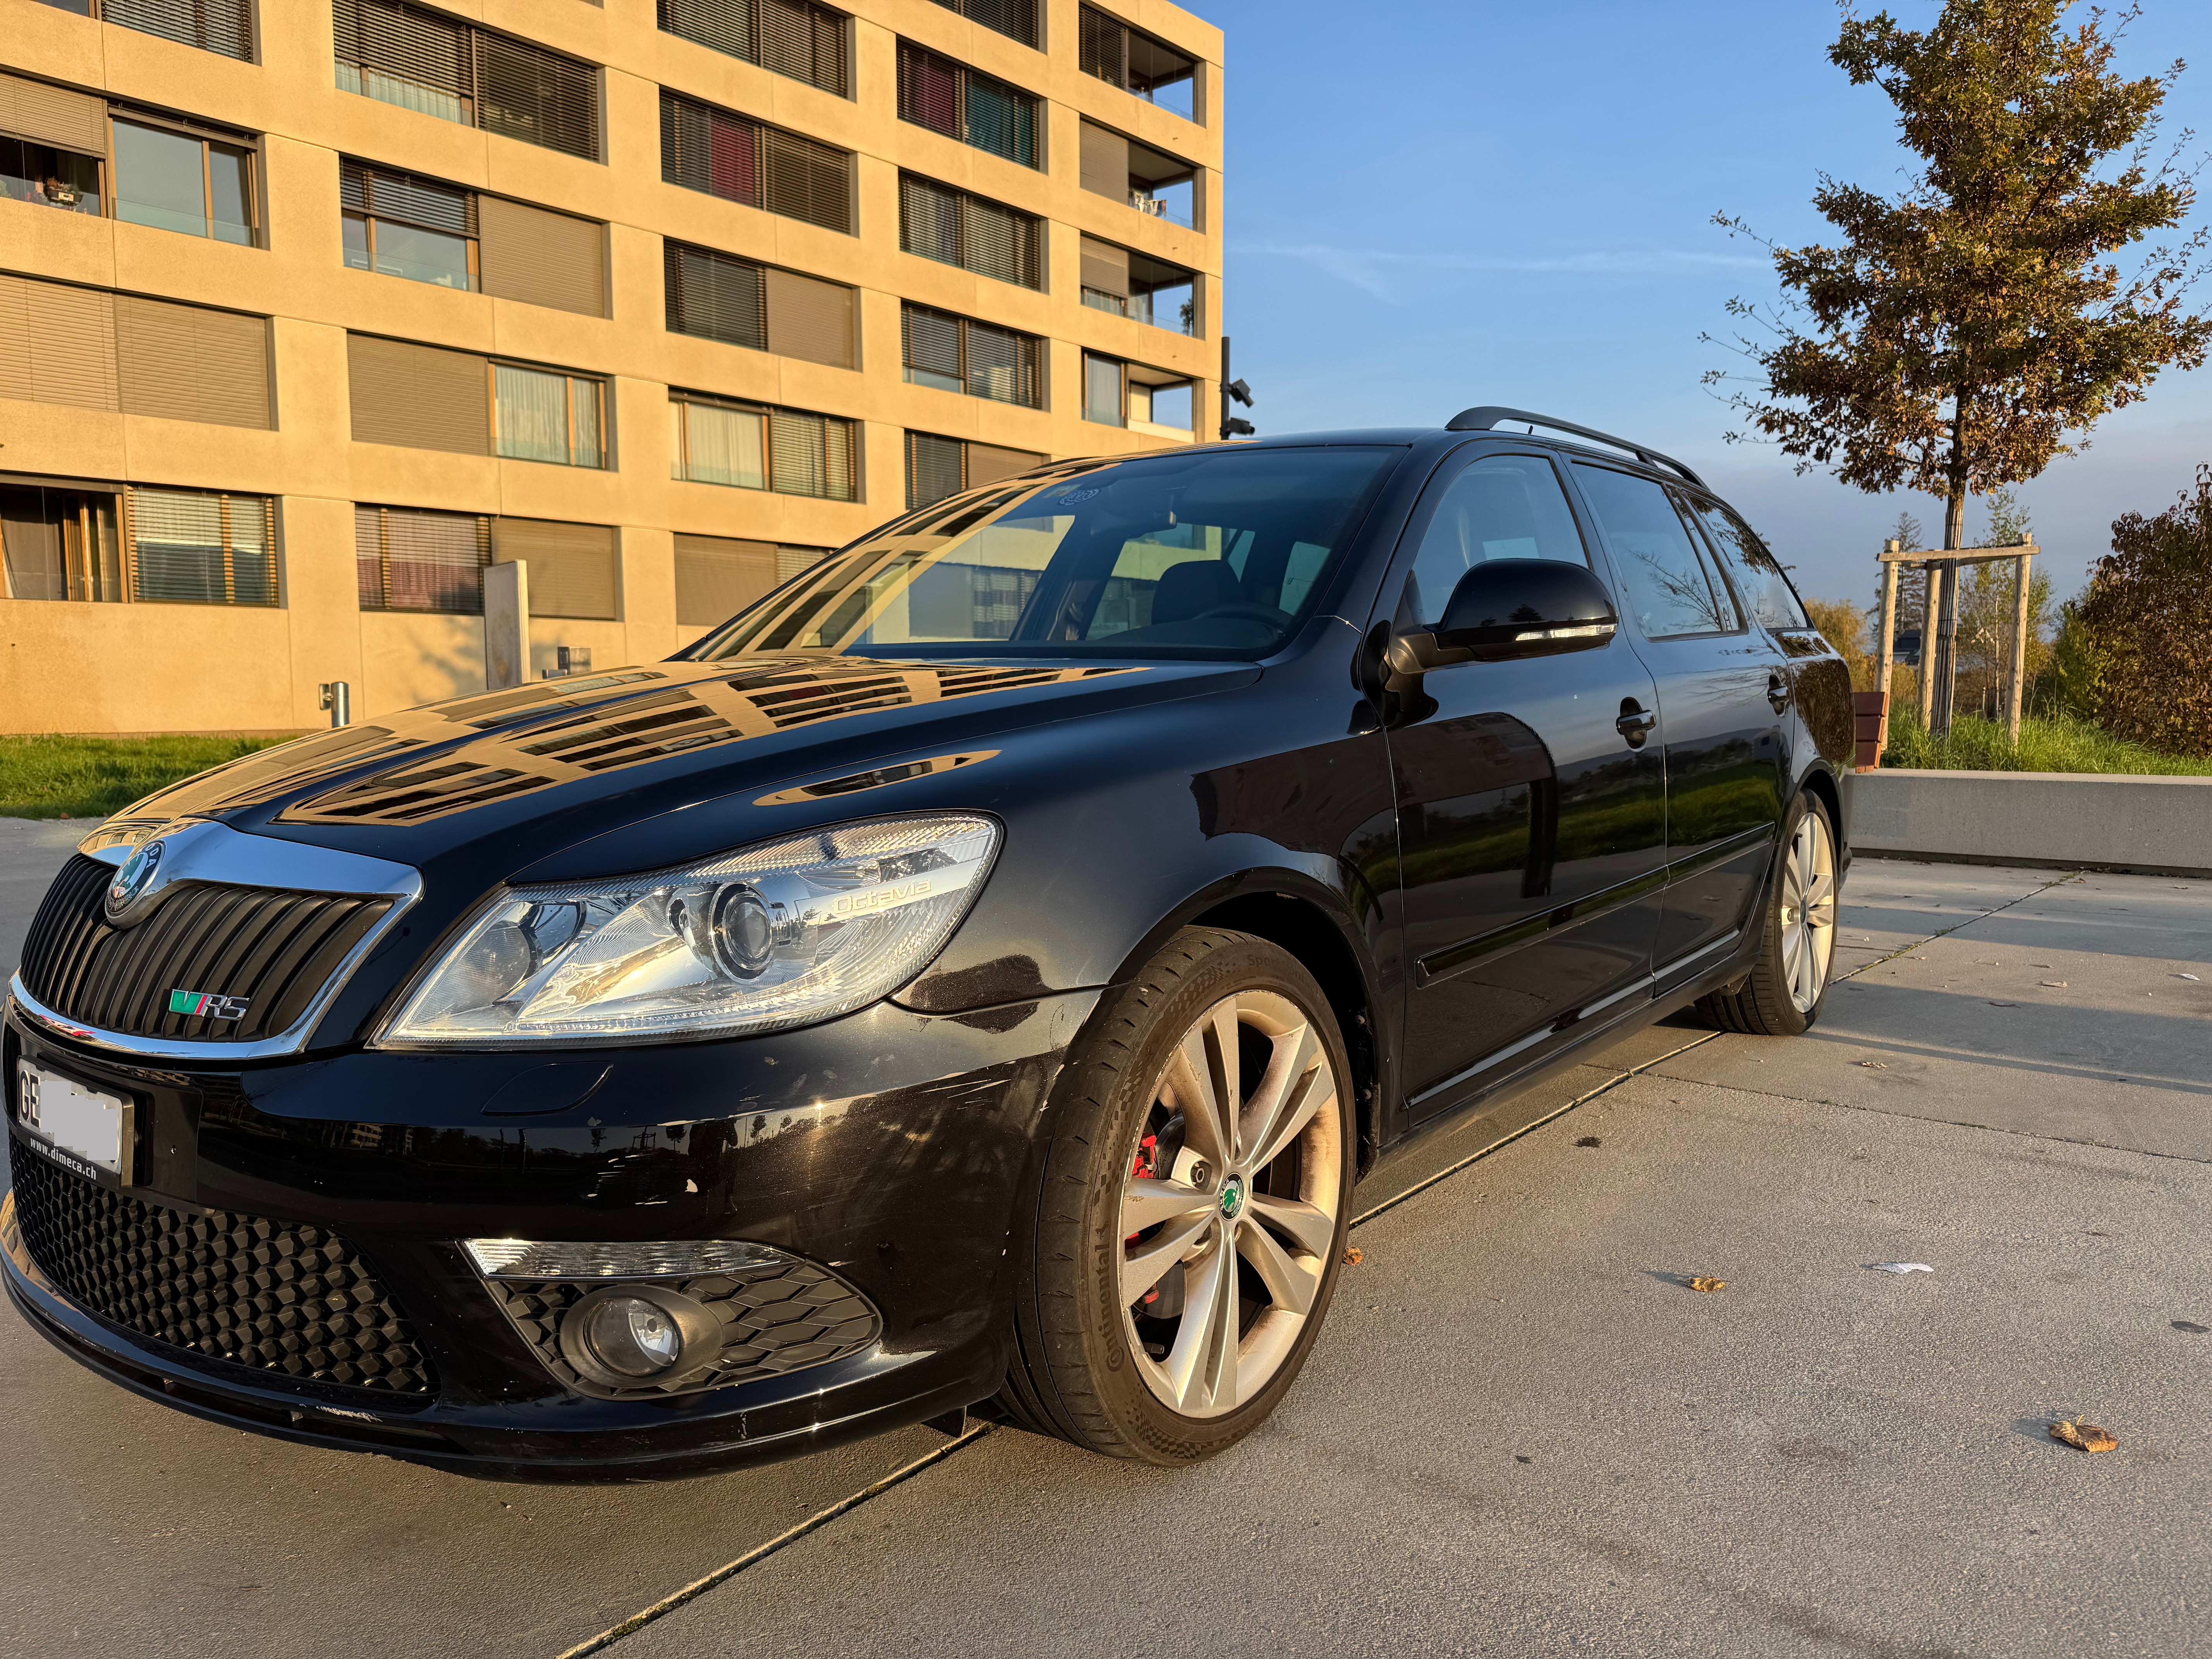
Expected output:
(972, 978)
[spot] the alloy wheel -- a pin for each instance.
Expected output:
(1229, 1203)
(1808, 911)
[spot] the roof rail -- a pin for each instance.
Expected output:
(1488, 415)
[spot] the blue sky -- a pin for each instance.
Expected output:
(1430, 206)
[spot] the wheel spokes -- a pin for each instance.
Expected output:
(1146, 1264)
(1148, 1203)
(1205, 1080)
(1294, 1088)
(1293, 1282)
(1225, 1330)
(1311, 1229)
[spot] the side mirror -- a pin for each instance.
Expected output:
(1508, 608)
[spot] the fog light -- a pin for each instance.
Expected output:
(638, 1333)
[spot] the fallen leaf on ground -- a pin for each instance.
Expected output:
(1354, 1256)
(1701, 1283)
(1873, 1065)
(2192, 1327)
(2083, 1437)
(1900, 1266)
(2004, 1004)
(2184, 976)
(1590, 1141)
(2053, 984)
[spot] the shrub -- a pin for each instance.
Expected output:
(2147, 622)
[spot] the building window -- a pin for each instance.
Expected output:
(224, 26)
(753, 446)
(741, 159)
(719, 296)
(1015, 19)
(200, 547)
(60, 545)
(542, 414)
(954, 353)
(409, 560)
(937, 467)
(179, 180)
(437, 65)
(956, 228)
(1102, 398)
(131, 353)
(806, 42)
(1128, 58)
(1138, 286)
(1154, 182)
(403, 225)
(955, 100)
(717, 577)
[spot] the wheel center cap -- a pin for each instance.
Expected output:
(1232, 1196)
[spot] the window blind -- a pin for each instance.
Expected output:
(410, 560)
(404, 196)
(962, 103)
(54, 115)
(987, 464)
(789, 451)
(741, 159)
(223, 27)
(810, 319)
(717, 577)
(933, 469)
(939, 223)
(1015, 19)
(421, 397)
(1105, 169)
(421, 59)
(1105, 267)
(542, 259)
(791, 37)
(58, 345)
(716, 297)
(978, 358)
(200, 547)
(190, 364)
(572, 566)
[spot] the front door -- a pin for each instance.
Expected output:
(1723, 686)
(1531, 803)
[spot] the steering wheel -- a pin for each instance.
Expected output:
(1247, 610)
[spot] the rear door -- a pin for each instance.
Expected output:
(1532, 822)
(1724, 685)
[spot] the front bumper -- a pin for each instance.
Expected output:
(888, 1146)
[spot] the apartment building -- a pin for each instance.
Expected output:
(311, 310)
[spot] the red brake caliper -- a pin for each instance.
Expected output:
(1147, 1151)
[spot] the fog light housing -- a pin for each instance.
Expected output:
(633, 1336)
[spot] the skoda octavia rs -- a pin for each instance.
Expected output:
(974, 976)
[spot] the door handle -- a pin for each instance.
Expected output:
(1634, 724)
(1778, 689)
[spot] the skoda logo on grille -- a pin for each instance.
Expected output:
(132, 892)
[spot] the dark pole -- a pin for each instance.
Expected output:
(1236, 391)
(1225, 388)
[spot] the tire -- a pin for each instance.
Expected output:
(1775, 999)
(1131, 1186)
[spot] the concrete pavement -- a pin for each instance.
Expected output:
(1520, 1433)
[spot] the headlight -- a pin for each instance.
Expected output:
(773, 936)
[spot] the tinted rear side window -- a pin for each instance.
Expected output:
(1757, 573)
(1667, 585)
(1502, 507)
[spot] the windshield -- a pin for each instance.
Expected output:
(1219, 553)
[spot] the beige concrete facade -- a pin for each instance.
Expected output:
(77, 666)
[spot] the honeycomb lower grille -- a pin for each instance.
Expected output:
(292, 1300)
(777, 1318)
(272, 950)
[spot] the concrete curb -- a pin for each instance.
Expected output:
(2061, 820)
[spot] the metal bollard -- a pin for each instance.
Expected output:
(338, 698)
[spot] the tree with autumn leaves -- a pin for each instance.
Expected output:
(1960, 336)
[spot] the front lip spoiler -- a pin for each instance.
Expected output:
(424, 1435)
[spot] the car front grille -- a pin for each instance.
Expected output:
(292, 1300)
(274, 951)
(780, 1317)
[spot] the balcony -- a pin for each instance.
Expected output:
(1151, 181)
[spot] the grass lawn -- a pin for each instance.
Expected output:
(66, 777)
(2045, 745)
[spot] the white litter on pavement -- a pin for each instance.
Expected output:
(1900, 1266)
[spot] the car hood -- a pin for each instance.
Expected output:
(549, 765)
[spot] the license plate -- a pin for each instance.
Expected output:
(78, 1127)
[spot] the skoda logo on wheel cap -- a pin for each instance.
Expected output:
(1232, 1196)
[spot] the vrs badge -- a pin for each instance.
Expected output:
(206, 1005)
